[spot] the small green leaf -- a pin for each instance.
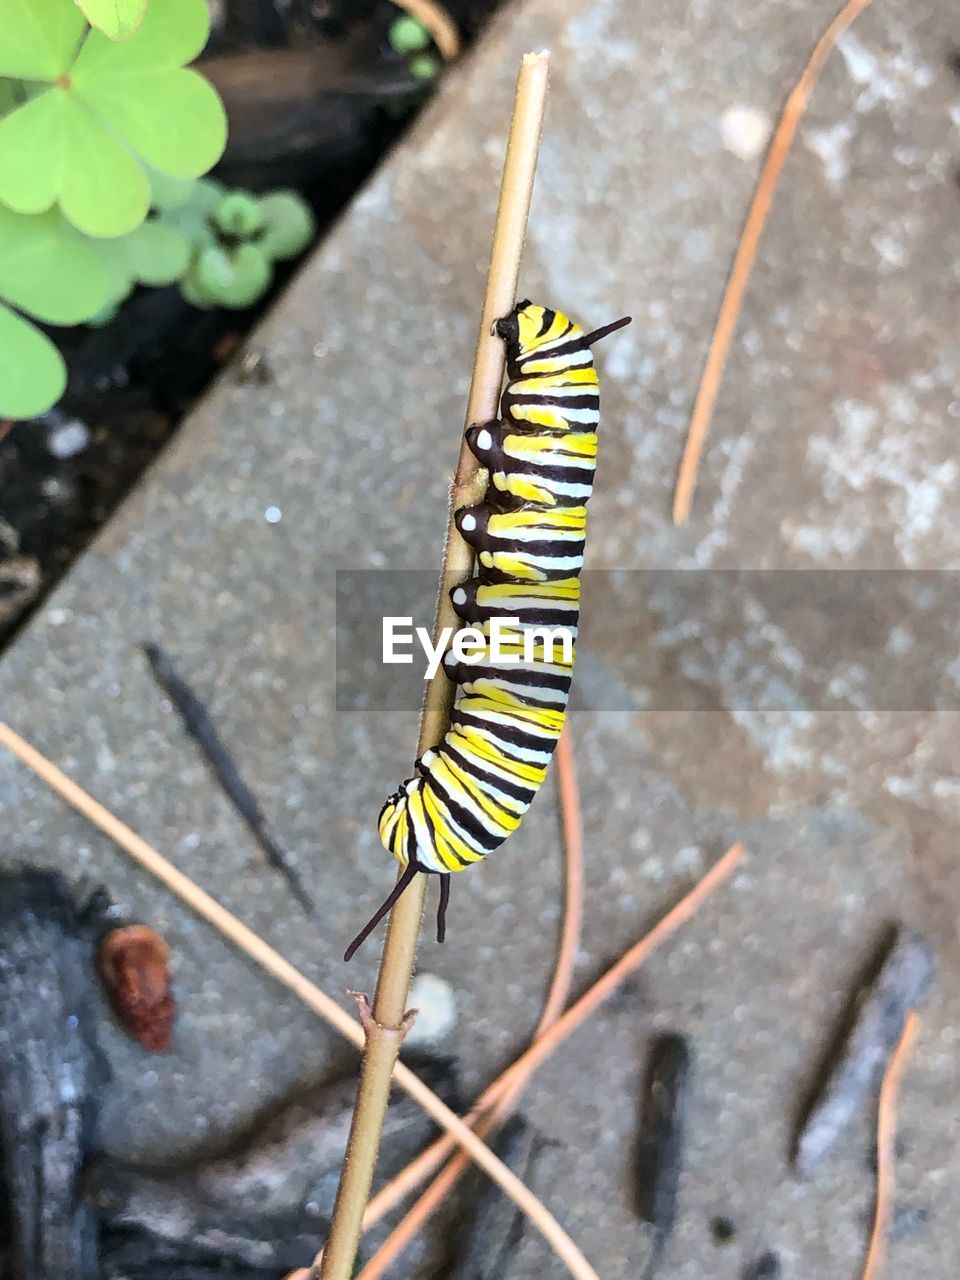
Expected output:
(38, 38)
(117, 19)
(214, 270)
(234, 279)
(33, 376)
(152, 254)
(239, 214)
(103, 317)
(193, 216)
(167, 192)
(289, 224)
(157, 254)
(49, 271)
(207, 194)
(424, 66)
(192, 292)
(113, 258)
(252, 274)
(407, 35)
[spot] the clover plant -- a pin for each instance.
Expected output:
(104, 136)
(95, 114)
(235, 238)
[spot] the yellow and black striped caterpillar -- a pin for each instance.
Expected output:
(471, 790)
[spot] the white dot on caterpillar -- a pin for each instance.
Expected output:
(484, 440)
(459, 596)
(469, 523)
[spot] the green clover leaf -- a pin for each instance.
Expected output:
(117, 19)
(106, 112)
(48, 270)
(169, 193)
(53, 274)
(33, 375)
(39, 38)
(193, 213)
(288, 223)
(228, 278)
(239, 214)
(153, 254)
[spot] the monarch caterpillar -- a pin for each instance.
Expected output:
(471, 790)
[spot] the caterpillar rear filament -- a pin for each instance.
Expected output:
(472, 789)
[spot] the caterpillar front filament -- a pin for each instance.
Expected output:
(471, 790)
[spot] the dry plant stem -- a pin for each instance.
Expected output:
(410, 1178)
(886, 1135)
(396, 966)
(273, 963)
(437, 21)
(412, 1223)
(746, 256)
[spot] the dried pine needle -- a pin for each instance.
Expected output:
(886, 1135)
(746, 256)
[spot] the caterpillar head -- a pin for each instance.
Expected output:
(529, 326)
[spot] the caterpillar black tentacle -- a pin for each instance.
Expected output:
(472, 789)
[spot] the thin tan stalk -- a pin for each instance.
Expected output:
(746, 256)
(469, 484)
(312, 996)
(443, 1184)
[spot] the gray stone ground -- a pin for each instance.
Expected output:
(833, 447)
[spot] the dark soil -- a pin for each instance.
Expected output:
(315, 96)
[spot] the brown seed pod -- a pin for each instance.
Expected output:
(134, 966)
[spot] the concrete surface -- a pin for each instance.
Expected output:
(834, 447)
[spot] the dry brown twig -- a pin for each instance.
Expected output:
(886, 1135)
(568, 796)
(383, 1028)
(442, 28)
(746, 256)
